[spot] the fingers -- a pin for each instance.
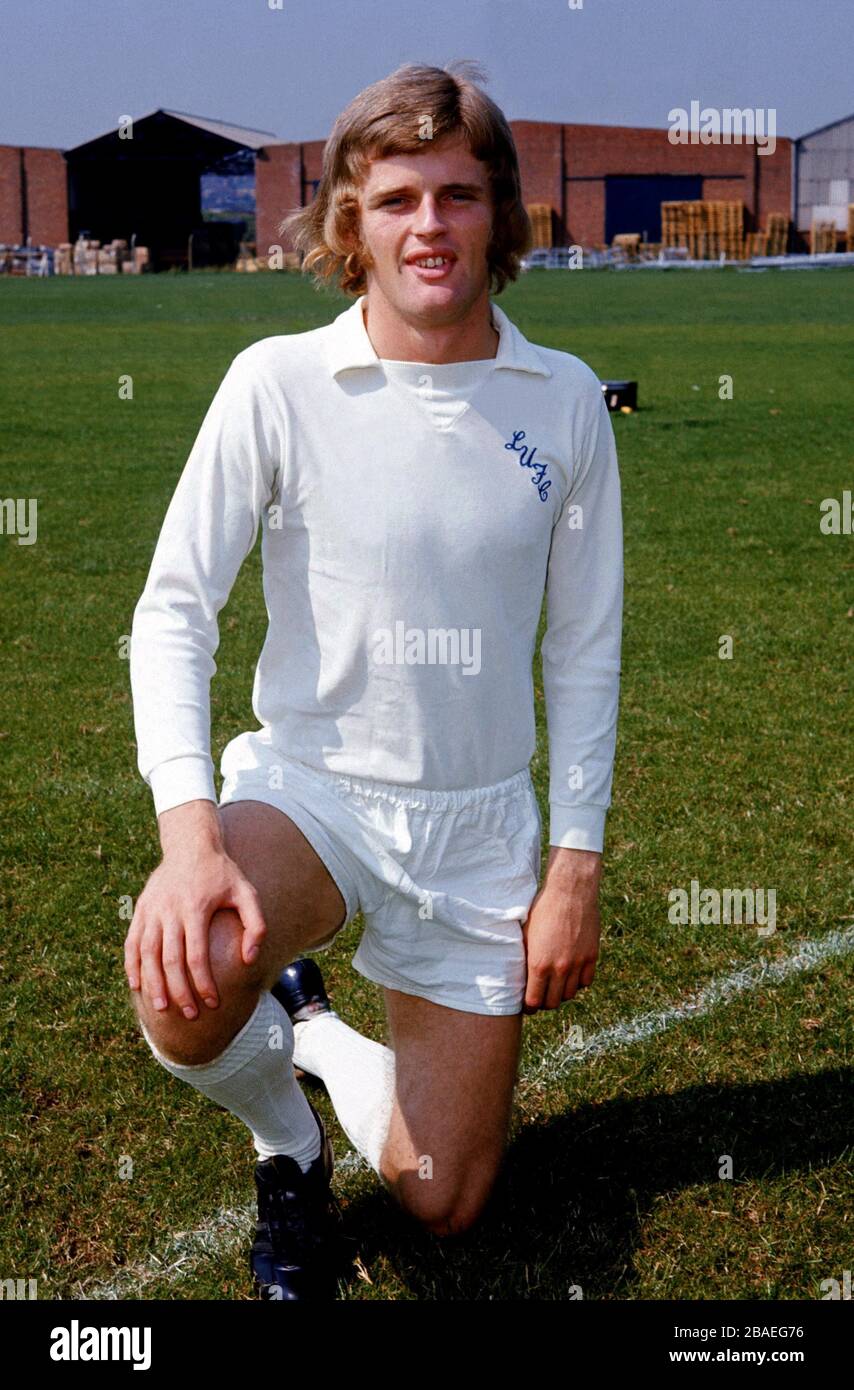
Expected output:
(167, 954)
(548, 989)
(559, 985)
(132, 961)
(174, 968)
(588, 970)
(153, 983)
(535, 989)
(578, 979)
(197, 946)
(572, 985)
(248, 905)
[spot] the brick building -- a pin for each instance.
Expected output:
(597, 180)
(33, 195)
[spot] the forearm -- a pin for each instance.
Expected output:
(573, 868)
(194, 826)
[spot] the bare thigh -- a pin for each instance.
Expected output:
(455, 1074)
(300, 899)
(301, 905)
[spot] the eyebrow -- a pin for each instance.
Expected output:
(396, 190)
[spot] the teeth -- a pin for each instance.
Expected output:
(431, 261)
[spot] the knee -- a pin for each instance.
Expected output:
(452, 1218)
(456, 1223)
(193, 1041)
(441, 1211)
(225, 946)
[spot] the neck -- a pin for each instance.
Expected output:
(407, 340)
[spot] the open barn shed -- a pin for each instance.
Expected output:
(147, 185)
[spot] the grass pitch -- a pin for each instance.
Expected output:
(733, 773)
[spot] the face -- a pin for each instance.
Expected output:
(432, 204)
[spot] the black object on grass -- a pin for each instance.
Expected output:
(621, 395)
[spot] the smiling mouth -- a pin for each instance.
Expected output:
(432, 267)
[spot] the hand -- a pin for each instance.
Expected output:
(561, 931)
(167, 945)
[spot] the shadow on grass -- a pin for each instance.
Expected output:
(574, 1191)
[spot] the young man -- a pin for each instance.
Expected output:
(422, 474)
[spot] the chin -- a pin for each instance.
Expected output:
(442, 296)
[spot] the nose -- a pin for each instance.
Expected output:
(428, 220)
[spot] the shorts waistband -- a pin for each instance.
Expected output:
(453, 800)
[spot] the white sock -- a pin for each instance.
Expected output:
(358, 1074)
(254, 1079)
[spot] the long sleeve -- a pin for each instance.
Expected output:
(581, 645)
(208, 530)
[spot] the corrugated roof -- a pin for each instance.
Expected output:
(240, 134)
(819, 130)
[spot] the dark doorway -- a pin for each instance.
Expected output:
(147, 184)
(633, 202)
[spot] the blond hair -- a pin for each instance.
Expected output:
(388, 118)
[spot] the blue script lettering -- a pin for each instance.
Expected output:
(527, 461)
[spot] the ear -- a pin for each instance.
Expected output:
(356, 247)
(352, 238)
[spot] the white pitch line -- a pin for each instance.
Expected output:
(183, 1252)
(226, 1231)
(806, 956)
(223, 1233)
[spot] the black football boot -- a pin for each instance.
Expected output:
(299, 1249)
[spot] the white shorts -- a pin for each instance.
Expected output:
(444, 879)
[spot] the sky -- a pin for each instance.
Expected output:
(72, 68)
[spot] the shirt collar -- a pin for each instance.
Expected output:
(349, 346)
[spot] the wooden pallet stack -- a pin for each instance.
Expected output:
(675, 225)
(778, 234)
(709, 234)
(694, 228)
(755, 244)
(541, 223)
(669, 224)
(674, 231)
(732, 228)
(629, 244)
(822, 237)
(708, 230)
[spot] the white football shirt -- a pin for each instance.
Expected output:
(413, 515)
